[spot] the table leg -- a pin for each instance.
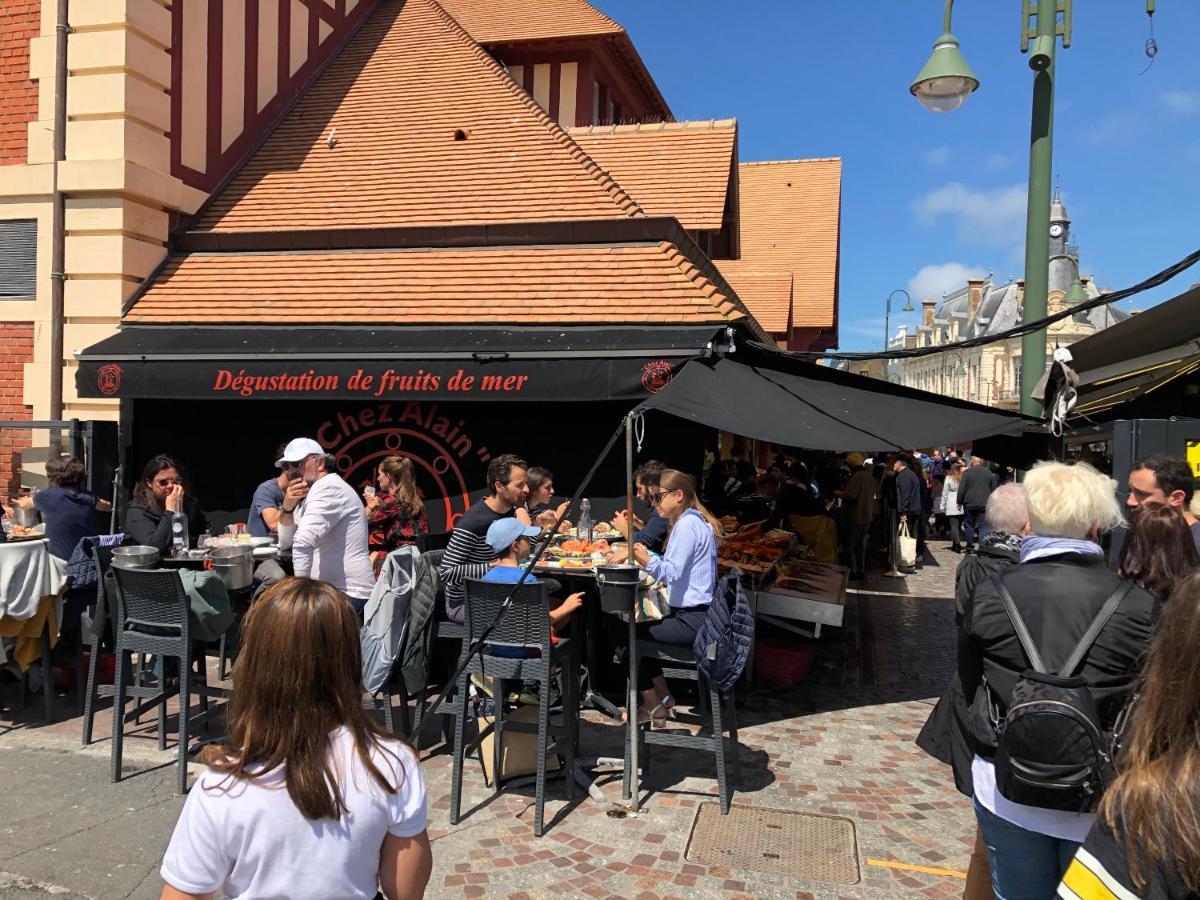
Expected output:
(632, 788)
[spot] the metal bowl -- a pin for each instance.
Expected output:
(138, 556)
(26, 517)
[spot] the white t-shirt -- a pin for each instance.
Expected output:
(328, 538)
(250, 841)
(1056, 823)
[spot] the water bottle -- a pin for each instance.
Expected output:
(584, 531)
(179, 534)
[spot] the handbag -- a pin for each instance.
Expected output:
(906, 546)
(653, 600)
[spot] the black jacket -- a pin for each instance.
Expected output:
(975, 487)
(908, 493)
(1058, 598)
(946, 733)
(153, 529)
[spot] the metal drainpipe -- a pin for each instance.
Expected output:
(58, 222)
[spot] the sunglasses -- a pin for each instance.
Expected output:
(164, 482)
(655, 497)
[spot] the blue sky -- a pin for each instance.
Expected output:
(810, 78)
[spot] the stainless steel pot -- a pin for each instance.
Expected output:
(136, 557)
(26, 517)
(234, 565)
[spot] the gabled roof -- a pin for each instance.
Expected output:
(520, 21)
(680, 169)
(414, 124)
(768, 296)
(643, 282)
(496, 23)
(790, 220)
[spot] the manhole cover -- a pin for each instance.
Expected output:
(793, 844)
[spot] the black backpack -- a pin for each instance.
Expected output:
(1051, 750)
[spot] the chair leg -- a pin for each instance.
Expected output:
(137, 682)
(418, 715)
(543, 735)
(718, 743)
(460, 725)
(731, 708)
(385, 699)
(163, 693)
(221, 660)
(405, 718)
(570, 715)
(47, 675)
(91, 691)
(185, 708)
(498, 694)
(202, 671)
(118, 711)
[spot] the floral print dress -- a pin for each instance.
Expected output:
(392, 525)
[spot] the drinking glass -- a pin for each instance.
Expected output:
(204, 541)
(369, 491)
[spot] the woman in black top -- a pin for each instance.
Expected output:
(160, 491)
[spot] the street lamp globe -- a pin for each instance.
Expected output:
(946, 81)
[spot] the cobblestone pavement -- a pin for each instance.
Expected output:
(840, 743)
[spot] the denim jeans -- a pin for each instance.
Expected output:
(973, 524)
(856, 548)
(1025, 865)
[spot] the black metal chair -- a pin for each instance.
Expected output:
(525, 626)
(153, 616)
(680, 663)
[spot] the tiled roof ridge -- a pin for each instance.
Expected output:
(617, 27)
(619, 195)
(721, 294)
(632, 128)
(778, 162)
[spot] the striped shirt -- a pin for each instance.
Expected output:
(1099, 871)
(467, 555)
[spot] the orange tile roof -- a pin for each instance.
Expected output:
(680, 169)
(768, 296)
(517, 21)
(790, 219)
(641, 283)
(391, 104)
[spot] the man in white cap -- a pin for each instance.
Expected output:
(322, 520)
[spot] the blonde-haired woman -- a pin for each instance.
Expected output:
(1058, 588)
(309, 797)
(395, 514)
(688, 567)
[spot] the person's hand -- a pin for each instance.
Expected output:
(620, 523)
(572, 603)
(904, 520)
(25, 502)
(546, 519)
(296, 491)
(373, 502)
(174, 500)
(641, 554)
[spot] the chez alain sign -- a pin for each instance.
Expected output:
(537, 379)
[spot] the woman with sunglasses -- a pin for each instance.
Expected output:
(688, 567)
(161, 490)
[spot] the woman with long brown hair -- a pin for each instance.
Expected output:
(395, 513)
(1146, 838)
(161, 494)
(309, 797)
(688, 567)
(1159, 551)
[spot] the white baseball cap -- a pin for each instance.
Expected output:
(299, 449)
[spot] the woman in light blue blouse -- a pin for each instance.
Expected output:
(688, 567)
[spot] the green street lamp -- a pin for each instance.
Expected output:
(946, 81)
(1075, 293)
(887, 321)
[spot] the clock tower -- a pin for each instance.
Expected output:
(1060, 226)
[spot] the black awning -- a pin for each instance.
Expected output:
(1131, 359)
(364, 362)
(771, 395)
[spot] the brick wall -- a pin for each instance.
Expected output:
(16, 348)
(19, 22)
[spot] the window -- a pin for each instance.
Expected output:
(18, 259)
(1016, 375)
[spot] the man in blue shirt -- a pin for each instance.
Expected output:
(651, 534)
(263, 519)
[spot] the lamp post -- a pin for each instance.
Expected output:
(956, 373)
(887, 323)
(945, 83)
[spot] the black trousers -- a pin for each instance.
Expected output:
(678, 629)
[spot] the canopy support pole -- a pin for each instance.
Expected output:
(632, 788)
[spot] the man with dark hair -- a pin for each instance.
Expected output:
(263, 518)
(1165, 481)
(468, 554)
(909, 503)
(974, 489)
(651, 534)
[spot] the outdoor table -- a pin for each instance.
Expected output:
(32, 583)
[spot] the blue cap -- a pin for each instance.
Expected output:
(503, 532)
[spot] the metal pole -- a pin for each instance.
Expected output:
(58, 237)
(887, 333)
(632, 789)
(629, 482)
(1037, 222)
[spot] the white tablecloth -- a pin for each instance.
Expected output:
(27, 574)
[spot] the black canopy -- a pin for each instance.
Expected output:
(768, 394)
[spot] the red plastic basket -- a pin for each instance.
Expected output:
(783, 663)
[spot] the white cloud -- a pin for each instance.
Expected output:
(936, 156)
(1185, 102)
(931, 282)
(1119, 128)
(989, 218)
(995, 161)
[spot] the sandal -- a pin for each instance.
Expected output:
(652, 717)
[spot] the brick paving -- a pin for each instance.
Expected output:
(839, 743)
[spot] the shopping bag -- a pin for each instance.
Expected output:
(906, 546)
(653, 600)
